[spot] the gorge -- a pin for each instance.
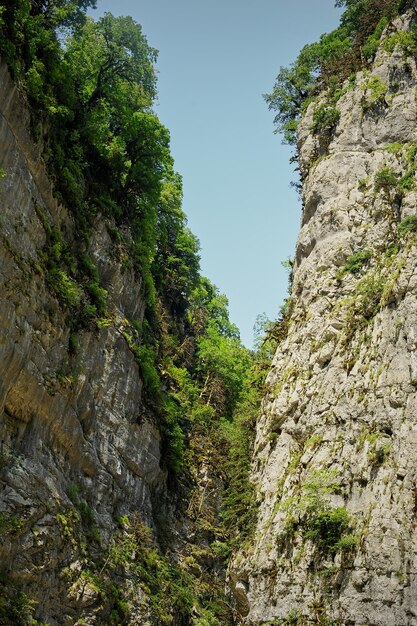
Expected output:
(152, 469)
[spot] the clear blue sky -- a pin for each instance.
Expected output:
(216, 59)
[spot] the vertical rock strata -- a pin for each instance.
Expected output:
(335, 462)
(70, 423)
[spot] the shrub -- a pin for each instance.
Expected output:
(354, 263)
(10, 524)
(406, 41)
(99, 296)
(385, 179)
(146, 359)
(370, 47)
(326, 528)
(393, 148)
(407, 182)
(325, 119)
(72, 343)
(65, 288)
(374, 92)
(15, 606)
(173, 448)
(87, 514)
(368, 294)
(408, 225)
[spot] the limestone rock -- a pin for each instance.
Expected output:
(341, 398)
(67, 421)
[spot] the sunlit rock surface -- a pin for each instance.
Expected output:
(338, 430)
(71, 422)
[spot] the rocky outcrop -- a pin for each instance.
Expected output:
(73, 428)
(336, 446)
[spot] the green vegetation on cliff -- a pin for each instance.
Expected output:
(334, 58)
(90, 87)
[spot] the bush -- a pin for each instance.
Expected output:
(370, 47)
(15, 606)
(375, 91)
(99, 296)
(10, 524)
(326, 528)
(408, 225)
(406, 41)
(325, 119)
(355, 262)
(385, 179)
(73, 343)
(368, 294)
(65, 288)
(146, 359)
(173, 447)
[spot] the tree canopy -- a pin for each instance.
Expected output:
(333, 58)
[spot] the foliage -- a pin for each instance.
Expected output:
(378, 446)
(223, 362)
(374, 92)
(326, 526)
(408, 181)
(169, 590)
(393, 148)
(239, 502)
(325, 118)
(326, 529)
(10, 524)
(98, 295)
(368, 294)
(29, 44)
(385, 179)
(294, 618)
(171, 594)
(334, 58)
(15, 606)
(354, 263)
(406, 41)
(408, 225)
(203, 372)
(370, 47)
(238, 506)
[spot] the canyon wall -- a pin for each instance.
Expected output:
(336, 446)
(78, 450)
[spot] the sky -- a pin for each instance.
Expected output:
(216, 59)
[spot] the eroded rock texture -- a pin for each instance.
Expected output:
(335, 463)
(72, 424)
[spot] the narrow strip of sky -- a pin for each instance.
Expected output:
(216, 59)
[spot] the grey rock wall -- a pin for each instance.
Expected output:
(337, 438)
(69, 423)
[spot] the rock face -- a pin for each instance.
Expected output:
(71, 423)
(336, 446)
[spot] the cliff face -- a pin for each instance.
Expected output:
(336, 445)
(72, 424)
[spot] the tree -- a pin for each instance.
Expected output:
(108, 54)
(62, 13)
(334, 57)
(292, 87)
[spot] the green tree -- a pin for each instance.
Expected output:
(334, 57)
